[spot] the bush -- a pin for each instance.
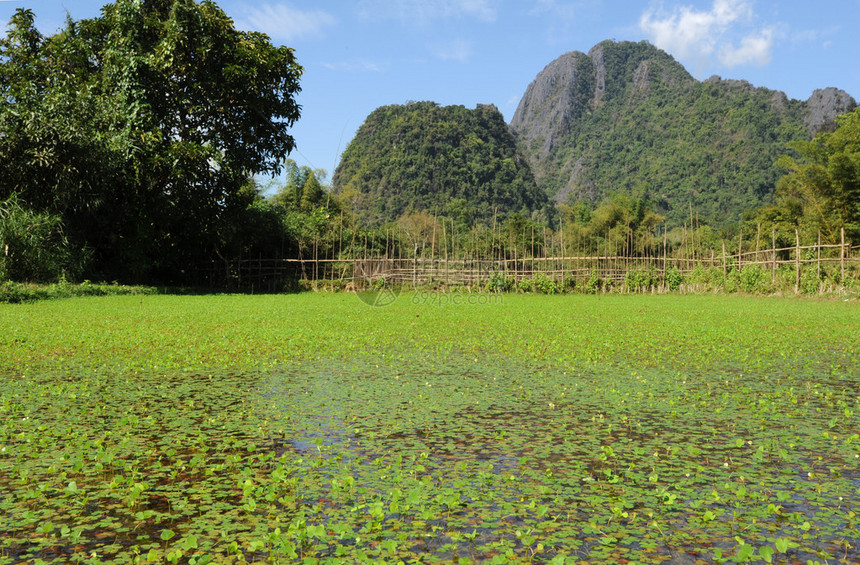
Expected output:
(525, 285)
(498, 282)
(674, 278)
(379, 283)
(33, 247)
(545, 285)
(15, 292)
(594, 284)
(753, 279)
(732, 282)
(636, 280)
(809, 281)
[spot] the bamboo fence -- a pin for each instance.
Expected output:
(362, 270)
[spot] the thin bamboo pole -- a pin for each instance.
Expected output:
(563, 250)
(757, 236)
(773, 248)
(842, 257)
(818, 256)
(740, 249)
(797, 262)
(665, 252)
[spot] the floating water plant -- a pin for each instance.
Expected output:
(544, 429)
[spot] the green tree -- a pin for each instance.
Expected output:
(303, 187)
(826, 178)
(140, 128)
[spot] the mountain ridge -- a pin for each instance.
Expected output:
(452, 160)
(626, 116)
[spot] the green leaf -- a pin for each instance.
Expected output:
(766, 553)
(167, 535)
(188, 542)
(745, 552)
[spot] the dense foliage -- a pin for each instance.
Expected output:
(824, 181)
(139, 129)
(424, 157)
(33, 246)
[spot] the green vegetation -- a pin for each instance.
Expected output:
(447, 160)
(33, 246)
(311, 427)
(139, 129)
(14, 292)
(822, 190)
(105, 177)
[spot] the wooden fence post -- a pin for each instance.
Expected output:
(773, 251)
(842, 258)
(740, 249)
(757, 236)
(797, 262)
(665, 252)
(563, 252)
(818, 256)
(725, 269)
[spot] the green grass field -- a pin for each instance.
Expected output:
(441, 428)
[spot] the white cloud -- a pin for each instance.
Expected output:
(699, 36)
(565, 10)
(755, 49)
(455, 50)
(285, 23)
(816, 36)
(355, 66)
(423, 12)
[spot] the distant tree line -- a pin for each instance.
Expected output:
(130, 142)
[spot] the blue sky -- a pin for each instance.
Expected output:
(362, 54)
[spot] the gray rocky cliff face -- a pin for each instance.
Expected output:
(641, 82)
(550, 102)
(823, 107)
(597, 58)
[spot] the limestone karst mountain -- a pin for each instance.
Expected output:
(627, 117)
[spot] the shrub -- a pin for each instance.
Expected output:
(594, 284)
(498, 282)
(545, 285)
(33, 247)
(732, 282)
(809, 281)
(674, 278)
(752, 279)
(637, 280)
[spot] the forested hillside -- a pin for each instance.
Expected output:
(627, 118)
(422, 156)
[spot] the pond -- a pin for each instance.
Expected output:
(454, 458)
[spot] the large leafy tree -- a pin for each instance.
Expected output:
(824, 181)
(141, 127)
